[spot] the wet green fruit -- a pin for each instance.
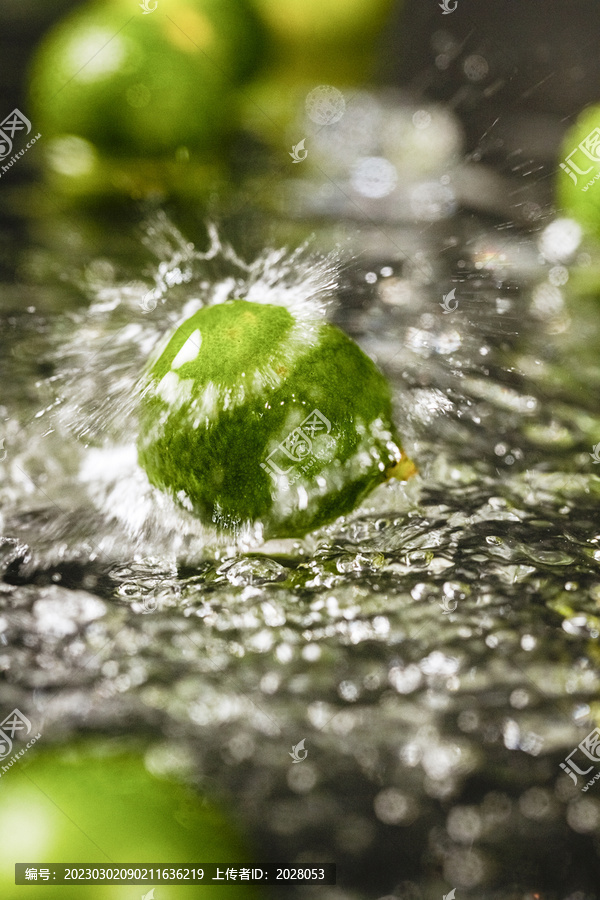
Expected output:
(251, 415)
(578, 187)
(91, 804)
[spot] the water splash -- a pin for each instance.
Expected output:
(97, 381)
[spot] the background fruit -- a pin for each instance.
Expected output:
(316, 42)
(335, 21)
(94, 804)
(145, 84)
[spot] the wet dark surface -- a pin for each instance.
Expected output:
(437, 651)
(434, 737)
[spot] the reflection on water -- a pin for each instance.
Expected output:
(436, 650)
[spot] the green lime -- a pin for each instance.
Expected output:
(334, 21)
(578, 187)
(318, 43)
(254, 415)
(231, 33)
(133, 84)
(91, 804)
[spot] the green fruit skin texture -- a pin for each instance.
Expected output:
(584, 206)
(206, 429)
(86, 804)
(135, 84)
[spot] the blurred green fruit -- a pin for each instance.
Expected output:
(335, 21)
(89, 804)
(578, 182)
(252, 415)
(135, 84)
(319, 42)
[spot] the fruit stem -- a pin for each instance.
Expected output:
(402, 470)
